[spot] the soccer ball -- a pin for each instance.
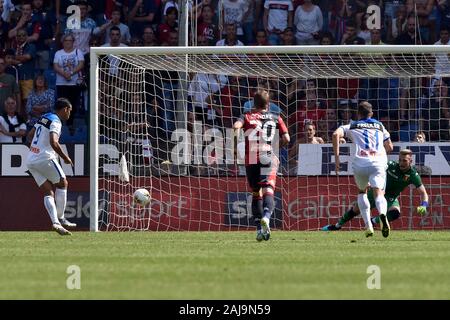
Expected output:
(141, 197)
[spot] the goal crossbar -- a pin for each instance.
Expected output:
(394, 49)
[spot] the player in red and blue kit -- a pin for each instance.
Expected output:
(262, 129)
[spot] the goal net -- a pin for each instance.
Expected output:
(161, 119)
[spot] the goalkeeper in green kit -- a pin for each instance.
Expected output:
(399, 175)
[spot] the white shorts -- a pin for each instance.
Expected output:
(375, 175)
(46, 170)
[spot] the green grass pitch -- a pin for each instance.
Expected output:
(225, 265)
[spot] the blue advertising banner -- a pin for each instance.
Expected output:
(239, 210)
(77, 207)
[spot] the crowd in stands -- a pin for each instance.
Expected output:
(44, 55)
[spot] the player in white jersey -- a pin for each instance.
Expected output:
(372, 142)
(43, 163)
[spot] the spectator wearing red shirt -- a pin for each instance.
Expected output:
(206, 27)
(347, 88)
(202, 41)
(309, 109)
(230, 102)
(172, 39)
(171, 24)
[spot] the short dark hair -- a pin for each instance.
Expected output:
(365, 109)
(261, 99)
(328, 35)
(115, 28)
(207, 6)
(170, 10)
(148, 26)
(309, 123)
(62, 103)
(82, 3)
(231, 24)
(444, 28)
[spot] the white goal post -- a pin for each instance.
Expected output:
(120, 103)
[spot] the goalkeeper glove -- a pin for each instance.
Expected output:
(422, 209)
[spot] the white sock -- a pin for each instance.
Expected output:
(364, 207)
(61, 200)
(49, 203)
(381, 204)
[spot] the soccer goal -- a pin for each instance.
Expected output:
(161, 119)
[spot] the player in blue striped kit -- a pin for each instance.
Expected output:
(372, 143)
(42, 162)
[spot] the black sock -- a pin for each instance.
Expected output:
(257, 210)
(257, 207)
(268, 204)
(349, 215)
(393, 215)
